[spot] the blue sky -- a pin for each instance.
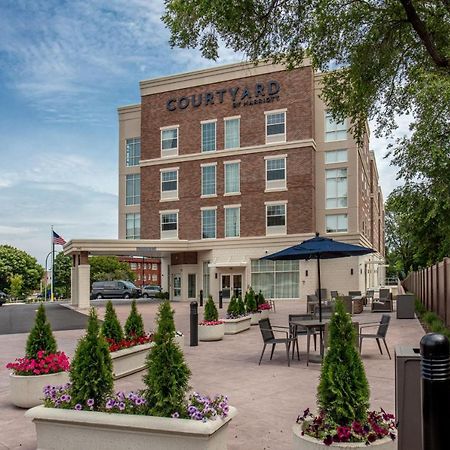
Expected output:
(65, 67)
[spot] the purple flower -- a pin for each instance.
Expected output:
(90, 402)
(121, 406)
(175, 415)
(109, 404)
(78, 407)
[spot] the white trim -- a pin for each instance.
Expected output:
(169, 152)
(237, 205)
(276, 230)
(169, 127)
(169, 211)
(208, 121)
(208, 164)
(208, 196)
(276, 202)
(169, 169)
(274, 111)
(169, 234)
(274, 137)
(168, 195)
(276, 189)
(276, 185)
(205, 208)
(234, 161)
(229, 194)
(276, 156)
(231, 117)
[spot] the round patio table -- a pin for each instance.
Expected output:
(311, 326)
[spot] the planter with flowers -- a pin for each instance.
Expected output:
(237, 318)
(41, 366)
(254, 309)
(87, 414)
(211, 328)
(344, 419)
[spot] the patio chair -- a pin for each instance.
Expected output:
(327, 311)
(311, 301)
(385, 294)
(334, 294)
(267, 333)
(383, 326)
(297, 330)
(323, 293)
(384, 303)
(348, 304)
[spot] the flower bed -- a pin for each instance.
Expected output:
(211, 330)
(42, 365)
(264, 307)
(127, 343)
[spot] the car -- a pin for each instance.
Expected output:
(151, 291)
(114, 289)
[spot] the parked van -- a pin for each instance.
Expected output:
(114, 289)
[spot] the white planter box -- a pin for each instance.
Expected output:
(309, 443)
(211, 332)
(234, 326)
(28, 391)
(179, 340)
(66, 429)
(129, 360)
(256, 317)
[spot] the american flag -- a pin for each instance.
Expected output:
(57, 239)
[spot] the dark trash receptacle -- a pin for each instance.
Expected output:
(405, 306)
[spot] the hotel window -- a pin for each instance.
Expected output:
(133, 151)
(192, 281)
(337, 223)
(208, 180)
(154, 266)
(335, 156)
(336, 187)
(169, 224)
(275, 173)
(208, 223)
(334, 131)
(232, 178)
(133, 189)
(169, 184)
(133, 226)
(232, 221)
(276, 218)
(154, 277)
(177, 285)
(232, 132)
(169, 141)
(133, 266)
(209, 136)
(275, 126)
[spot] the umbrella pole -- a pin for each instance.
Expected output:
(320, 290)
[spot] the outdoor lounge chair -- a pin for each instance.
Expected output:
(383, 326)
(267, 332)
(384, 303)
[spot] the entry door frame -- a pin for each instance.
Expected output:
(230, 290)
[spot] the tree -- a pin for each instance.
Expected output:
(17, 262)
(134, 325)
(16, 286)
(41, 336)
(111, 328)
(63, 264)
(210, 313)
(109, 268)
(251, 305)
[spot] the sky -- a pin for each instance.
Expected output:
(65, 68)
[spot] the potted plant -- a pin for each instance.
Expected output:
(343, 416)
(160, 416)
(237, 320)
(42, 365)
(263, 305)
(256, 306)
(211, 328)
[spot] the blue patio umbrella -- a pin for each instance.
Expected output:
(319, 248)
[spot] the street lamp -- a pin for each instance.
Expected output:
(45, 288)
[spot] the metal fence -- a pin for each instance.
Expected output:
(432, 285)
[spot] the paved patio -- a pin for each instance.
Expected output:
(268, 397)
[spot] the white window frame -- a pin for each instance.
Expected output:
(172, 151)
(276, 185)
(336, 184)
(337, 220)
(332, 135)
(225, 121)
(336, 152)
(204, 122)
(134, 198)
(169, 195)
(202, 166)
(136, 216)
(226, 207)
(280, 137)
(132, 142)
(277, 229)
(208, 208)
(169, 234)
(238, 162)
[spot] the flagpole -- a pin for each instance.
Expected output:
(52, 287)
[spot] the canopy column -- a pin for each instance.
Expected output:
(81, 280)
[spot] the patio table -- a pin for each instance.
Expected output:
(311, 326)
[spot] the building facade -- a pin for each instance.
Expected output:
(147, 270)
(222, 166)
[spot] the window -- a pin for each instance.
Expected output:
(334, 131)
(154, 277)
(133, 151)
(169, 141)
(192, 285)
(133, 226)
(154, 266)
(336, 186)
(335, 156)
(209, 136)
(169, 225)
(276, 279)
(275, 126)
(208, 223)
(133, 266)
(133, 189)
(232, 221)
(336, 223)
(276, 218)
(232, 178)
(205, 279)
(275, 173)
(177, 285)
(208, 180)
(169, 184)
(232, 132)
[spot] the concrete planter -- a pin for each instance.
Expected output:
(129, 360)
(28, 391)
(211, 332)
(234, 326)
(309, 443)
(179, 339)
(256, 317)
(88, 430)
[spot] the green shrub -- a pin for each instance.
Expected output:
(430, 317)
(260, 299)
(437, 326)
(134, 326)
(91, 368)
(167, 377)
(231, 310)
(111, 328)
(240, 306)
(163, 295)
(41, 336)
(210, 313)
(250, 301)
(420, 308)
(343, 392)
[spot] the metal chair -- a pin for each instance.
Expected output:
(297, 330)
(267, 332)
(383, 326)
(334, 294)
(311, 300)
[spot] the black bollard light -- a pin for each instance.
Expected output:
(220, 300)
(201, 297)
(435, 368)
(194, 324)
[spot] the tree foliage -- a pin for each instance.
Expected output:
(63, 264)
(16, 286)
(41, 336)
(111, 328)
(134, 325)
(210, 313)
(251, 305)
(109, 268)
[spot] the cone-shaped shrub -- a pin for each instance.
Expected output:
(231, 310)
(111, 328)
(210, 313)
(240, 306)
(343, 392)
(260, 299)
(167, 377)
(134, 326)
(250, 301)
(41, 336)
(91, 368)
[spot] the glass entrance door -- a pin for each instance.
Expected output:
(225, 286)
(237, 284)
(231, 284)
